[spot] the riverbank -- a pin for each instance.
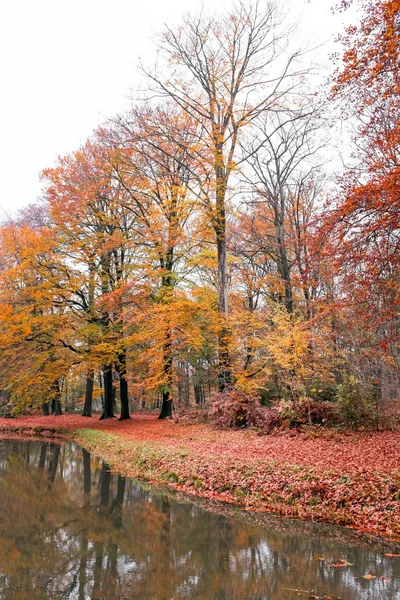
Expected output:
(348, 479)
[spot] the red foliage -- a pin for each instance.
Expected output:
(235, 409)
(364, 227)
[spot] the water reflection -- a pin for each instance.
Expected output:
(70, 528)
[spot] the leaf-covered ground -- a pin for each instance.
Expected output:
(352, 479)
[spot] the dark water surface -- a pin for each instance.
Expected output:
(70, 528)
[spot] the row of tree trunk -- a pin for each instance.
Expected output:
(53, 406)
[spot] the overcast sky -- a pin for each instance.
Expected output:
(67, 65)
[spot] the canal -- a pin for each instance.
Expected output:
(71, 528)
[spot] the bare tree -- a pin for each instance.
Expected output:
(284, 177)
(225, 71)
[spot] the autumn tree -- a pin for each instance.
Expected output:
(282, 176)
(93, 230)
(155, 170)
(224, 71)
(364, 224)
(37, 338)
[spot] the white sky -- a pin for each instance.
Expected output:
(67, 65)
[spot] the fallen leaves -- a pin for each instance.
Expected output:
(319, 479)
(341, 563)
(370, 577)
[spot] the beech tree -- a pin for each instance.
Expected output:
(155, 170)
(225, 71)
(93, 226)
(282, 175)
(364, 224)
(37, 335)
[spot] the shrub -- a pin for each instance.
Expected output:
(190, 416)
(236, 409)
(310, 411)
(272, 419)
(323, 392)
(353, 407)
(6, 406)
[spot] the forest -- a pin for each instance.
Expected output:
(208, 249)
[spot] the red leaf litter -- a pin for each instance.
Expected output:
(348, 478)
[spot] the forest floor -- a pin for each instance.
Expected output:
(347, 478)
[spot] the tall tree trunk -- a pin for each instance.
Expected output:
(123, 386)
(166, 406)
(45, 409)
(184, 384)
(198, 393)
(56, 400)
(101, 386)
(283, 261)
(114, 398)
(87, 408)
(224, 362)
(108, 412)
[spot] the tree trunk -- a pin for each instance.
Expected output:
(124, 399)
(114, 398)
(283, 261)
(224, 366)
(123, 387)
(108, 412)
(120, 367)
(198, 393)
(166, 406)
(45, 409)
(87, 408)
(222, 274)
(56, 400)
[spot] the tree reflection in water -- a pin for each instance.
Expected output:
(71, 528)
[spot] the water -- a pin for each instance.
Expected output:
(70, 528)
